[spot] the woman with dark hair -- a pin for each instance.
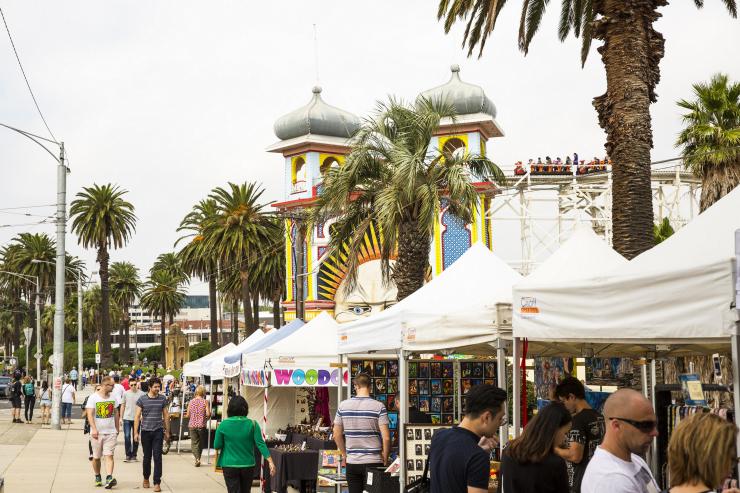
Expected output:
(236, 438)
(529, 463)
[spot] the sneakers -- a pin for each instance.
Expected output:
(157, 488)
(197, 463)
(127, 459)
(98, 480)
(110, 482)
(145, 484)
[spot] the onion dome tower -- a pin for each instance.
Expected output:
(313, 139)
(474, 124)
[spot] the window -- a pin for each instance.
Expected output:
(298, 179)
(454, 147)
(330, 162)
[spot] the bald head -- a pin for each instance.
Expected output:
(626, 403)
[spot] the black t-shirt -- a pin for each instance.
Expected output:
(456, 462)
(16, 389)
(588, 430)
(548, 476)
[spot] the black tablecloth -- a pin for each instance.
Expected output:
(293, 466)
(297, 438)
(317, 444)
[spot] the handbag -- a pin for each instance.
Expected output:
(421, 485)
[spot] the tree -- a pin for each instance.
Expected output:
(662, 231)
(163, 295)
(269, 272)
(631, 53)
(710, 139)
(102, 219)
(172, 264)
(391, 181)
(125, 288)
(238, 233)
(199, 261)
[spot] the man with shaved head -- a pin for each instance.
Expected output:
(617, 467)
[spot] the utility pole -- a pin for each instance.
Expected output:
(58, 360)
(79, 330)
(39, 354)
(298, 252)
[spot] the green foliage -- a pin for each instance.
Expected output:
(101, 217)
(152, 353)
(662, 230)
(163, 294)
(199, 350)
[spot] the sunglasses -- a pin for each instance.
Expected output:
(643, 426)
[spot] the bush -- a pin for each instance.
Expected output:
(153, 353)
(199, 350)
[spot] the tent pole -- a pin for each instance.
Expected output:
(653, 374)
(501, 380)
(182, 413)
(644, 374)
(735, 339)
(403, 390)
(213, 413)
(516, 387)
(340, 387)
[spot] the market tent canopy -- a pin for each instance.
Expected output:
(194, 368)
(680, 291)
(457, 309)
(313, 345)
(244, 346)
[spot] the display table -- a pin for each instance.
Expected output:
(313, 443)
(301, 467)
(296, 438)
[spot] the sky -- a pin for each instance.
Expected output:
(170, 99)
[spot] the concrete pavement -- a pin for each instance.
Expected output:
(38, 459)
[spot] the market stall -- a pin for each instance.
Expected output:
(678, 296)
(192, 369)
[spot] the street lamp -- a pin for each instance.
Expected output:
(61, 222)
(38, 354)
(79, 317)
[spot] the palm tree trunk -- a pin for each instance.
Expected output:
(212, 302)
(717, 181)
(162, 334)
(248, 317)
(235, 320)
(125, 335)
(276, 313)
(413, 258)
(631, 53)
(256, 309)
(106, 359)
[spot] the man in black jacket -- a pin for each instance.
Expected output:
(15, 397)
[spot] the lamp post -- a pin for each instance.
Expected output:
(61, 222)
(38, 354)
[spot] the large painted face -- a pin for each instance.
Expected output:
(369, 296)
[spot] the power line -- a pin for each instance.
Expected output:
(26, 207)
(28, 84)
(44, 221)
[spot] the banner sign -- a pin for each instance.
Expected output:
(311, 377)
(232, 369)
(255, 378)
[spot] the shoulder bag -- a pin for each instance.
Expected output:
(421, 485)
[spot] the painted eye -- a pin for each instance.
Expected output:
(358, 310)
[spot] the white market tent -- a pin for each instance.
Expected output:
(194, 368)
(456, 309)
(230, 363)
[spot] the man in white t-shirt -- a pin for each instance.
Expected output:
(68, 399)
(118, 389)
(616, 466)
(102, 414)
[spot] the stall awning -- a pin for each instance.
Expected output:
(194, 368)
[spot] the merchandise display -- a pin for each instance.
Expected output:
(417, 443)
(384, 374)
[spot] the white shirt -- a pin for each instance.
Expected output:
(607, 473)
(68, 392)
(104, 412)
(118, 391)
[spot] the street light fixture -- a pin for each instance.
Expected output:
(38, 354)
(61, 222)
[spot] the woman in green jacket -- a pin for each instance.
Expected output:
(236, 438)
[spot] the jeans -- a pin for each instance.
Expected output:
(131, 446)
(196, 441)
(66, 410)
(356, 476)
(151, 442)
(30, 401)
(238, 479)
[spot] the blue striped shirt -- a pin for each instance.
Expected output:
(361, 419)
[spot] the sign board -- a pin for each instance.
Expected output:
(308, 377)
(57, 383)
(97, 358)
(38, 355)
(51, 359)
(28, 332)
(13, 361)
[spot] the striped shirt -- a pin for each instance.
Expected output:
(361, 419)
(151, 412)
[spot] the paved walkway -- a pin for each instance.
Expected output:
(38, 459)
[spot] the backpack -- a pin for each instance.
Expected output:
(28, 389)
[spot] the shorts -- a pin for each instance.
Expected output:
(103, 445)
(15, 402)
(67, 410)
(45, 403)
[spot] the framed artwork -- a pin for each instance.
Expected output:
(423, 386)
(413, 387)
(423, 370)
(436, 387)
(392, 385)
(392, 368)
(436, 369)
(436, 405)
(380, 368)
(424, 404)
(413, 369)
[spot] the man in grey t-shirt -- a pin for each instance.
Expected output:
(128, 413)
(152, 415)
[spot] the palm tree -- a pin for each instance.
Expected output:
(662, 231)
(269, 272)
(397, 185)
(199, 261)
(102, 219)
(171, 263)
(711, 137)
(125, 288)
(238, 233)
(631, 53)
(230, 285)
(163, 295)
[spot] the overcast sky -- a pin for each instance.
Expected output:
(169, 99)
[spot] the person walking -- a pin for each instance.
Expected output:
(128, 415)
(86, 425)
(102, 415)
(45, 403)
(16, 391)
(198, 411)
(73, 376)
(701, 454)
(29, 398)
(457, 462)
(586, 433)
(152, 418)
(118, 389)
(529, 464)
(68, 399)
(236, 438)
(616, 466)
(361, 433)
